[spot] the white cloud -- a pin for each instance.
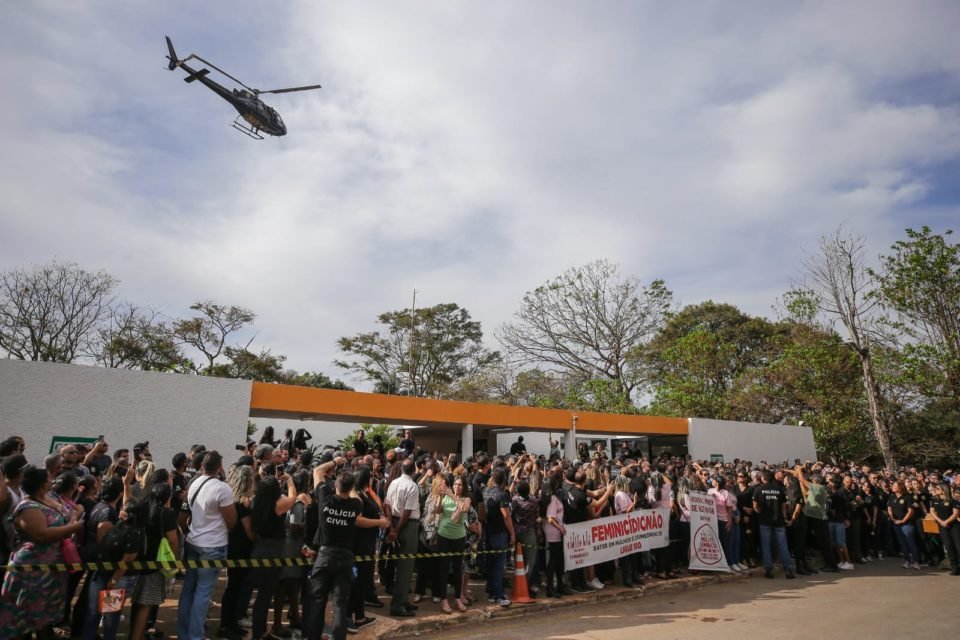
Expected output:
(468, 150)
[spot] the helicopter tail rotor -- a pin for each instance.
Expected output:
(173, 55)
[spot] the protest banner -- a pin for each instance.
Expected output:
(706, 552)
(603, 539)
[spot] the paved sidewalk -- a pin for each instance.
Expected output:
(878, 600)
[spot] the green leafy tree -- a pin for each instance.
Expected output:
(314, 379)
(697, 359)
(694, 381)
(920, 282)
(247, 365)
(813, 377)
(388, 435)
(419, 352)
(586, 322)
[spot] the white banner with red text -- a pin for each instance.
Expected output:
(706, 552)
(595, 541)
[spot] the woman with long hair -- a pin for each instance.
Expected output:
(525, 510)
(32, 601)
(725, 503)
(734, 559)
(660, 496)
(551, 513)
(159, 523)
(430, 518)
(300, 439)
(749, 531)
(945, 508)
(682, 506)
(288, 590)
(364, 592)
(624, 502)
(268, 513)
(268, 437)
(65, 490)
(286, 443)
(243, 483)
(901, 509)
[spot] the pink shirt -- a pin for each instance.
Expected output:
(554, 510)
(724, 499)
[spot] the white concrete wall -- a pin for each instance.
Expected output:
(536, 442)
(749, 441)
(40, 400)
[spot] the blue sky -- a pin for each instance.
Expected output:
(469, 150)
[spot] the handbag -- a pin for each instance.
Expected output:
(110, 600)
(68, 549)
(428, 526)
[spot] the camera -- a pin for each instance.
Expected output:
(240, 447)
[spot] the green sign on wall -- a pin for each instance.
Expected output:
(58, 441)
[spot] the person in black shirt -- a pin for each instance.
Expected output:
(268, 516)
(340, 515)
(901, 508)
(407, 444)
(300, 439)
(500, 534)
(838, 516)
(770, 505)
(101, 519)
(364, 591)
(857, 510)
(518, 448)
(576, 508)
(360, 444)
(159, 522)
(945, 506)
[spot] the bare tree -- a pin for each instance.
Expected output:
(586, 322)
(210, 331)
(839, 284)
(136, 338)
(52, 312)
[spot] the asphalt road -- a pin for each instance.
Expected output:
(877, 600)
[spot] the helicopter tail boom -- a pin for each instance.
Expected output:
(173, 55)
(197, 75)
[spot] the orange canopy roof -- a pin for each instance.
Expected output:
(293, 402)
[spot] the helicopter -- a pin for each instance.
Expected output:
(255, 115)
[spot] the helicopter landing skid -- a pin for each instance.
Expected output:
(241, 126)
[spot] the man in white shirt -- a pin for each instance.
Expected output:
(212, 515)
(403, 497)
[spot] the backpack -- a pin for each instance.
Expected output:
(119, 538)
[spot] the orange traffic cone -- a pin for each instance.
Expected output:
(520, 595)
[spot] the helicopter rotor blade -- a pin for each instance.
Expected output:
(210, 64)
(290, 90)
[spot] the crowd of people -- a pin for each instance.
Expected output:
(337, 508)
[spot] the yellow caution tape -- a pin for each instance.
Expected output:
(252, 563)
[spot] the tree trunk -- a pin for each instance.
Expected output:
(880, 427)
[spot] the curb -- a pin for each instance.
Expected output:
(435, 622)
